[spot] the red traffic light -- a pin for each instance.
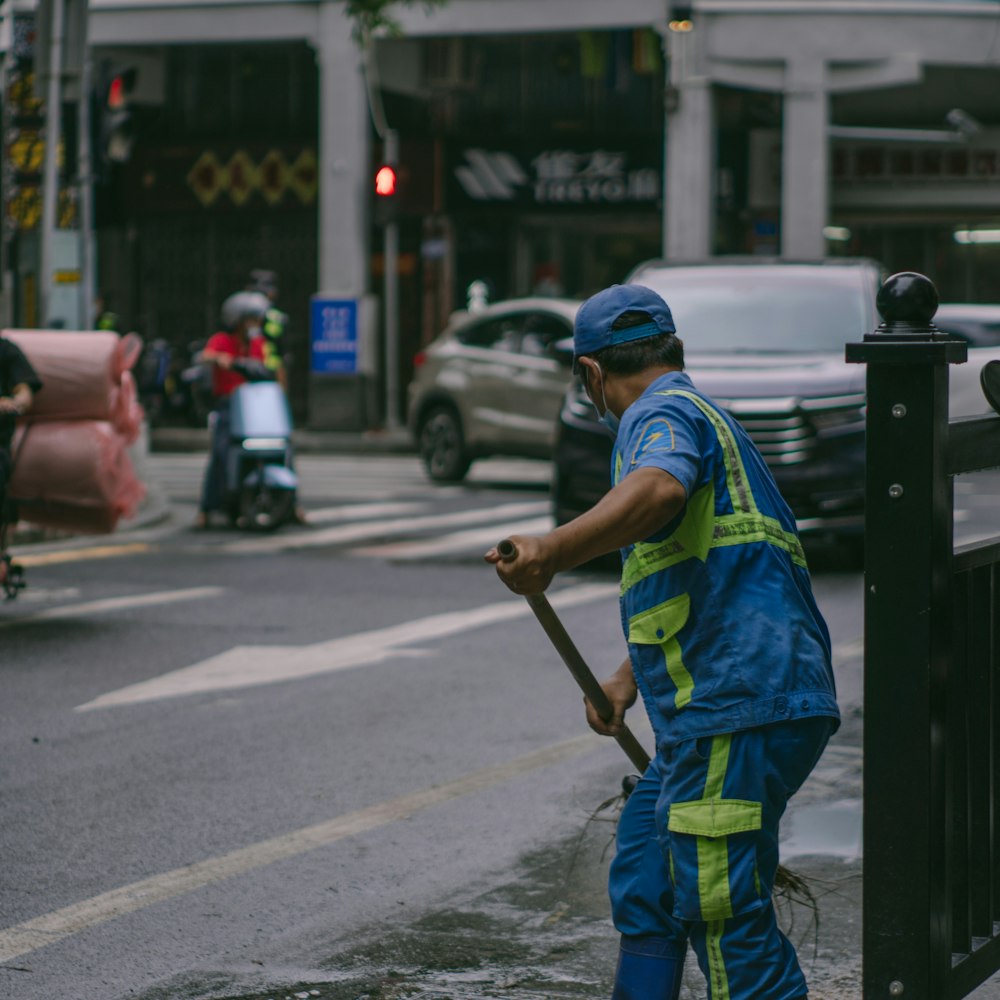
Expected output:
(116, 93)
(385, 181)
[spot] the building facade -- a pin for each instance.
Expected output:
(545, 146)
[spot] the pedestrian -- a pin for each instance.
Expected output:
(105, 316)
(18, 384)
(726, 647)
(275, 324)
(242, 315)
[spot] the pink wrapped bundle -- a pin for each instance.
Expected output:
(126, 413)
(81, 370)
(75, 475)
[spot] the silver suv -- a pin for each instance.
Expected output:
(492, 384)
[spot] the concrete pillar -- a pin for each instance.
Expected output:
(344, 157)
(690, 154)
(805, 160)
(343, 402)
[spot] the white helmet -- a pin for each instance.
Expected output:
(240, 305)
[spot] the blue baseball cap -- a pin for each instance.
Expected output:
(593, 328)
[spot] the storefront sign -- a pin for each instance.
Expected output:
(557, 178)
(333, 327)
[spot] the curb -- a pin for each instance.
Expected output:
(379, 442)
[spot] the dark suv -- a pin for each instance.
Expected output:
(765, 339)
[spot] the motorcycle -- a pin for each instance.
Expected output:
(260, 483)
(173, 389)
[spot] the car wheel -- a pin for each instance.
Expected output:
(442, 446)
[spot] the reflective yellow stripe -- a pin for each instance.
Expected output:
(713, 852)
(658, 626)
(738, 529)
(717, 978)
(692, 538)
(740, 493)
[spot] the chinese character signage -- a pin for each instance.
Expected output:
(553, 178)
(334, 335)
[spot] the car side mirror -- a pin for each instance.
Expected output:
(989, 379)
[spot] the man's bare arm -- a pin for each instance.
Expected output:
(642, 503)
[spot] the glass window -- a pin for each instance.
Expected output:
(754, 310)
(542, 331)
(502, 334)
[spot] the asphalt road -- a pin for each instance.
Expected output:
(232, 762)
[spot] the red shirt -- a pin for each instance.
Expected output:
(224, 381)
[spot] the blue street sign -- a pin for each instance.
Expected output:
(333, 327)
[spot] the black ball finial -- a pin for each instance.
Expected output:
(908, 299)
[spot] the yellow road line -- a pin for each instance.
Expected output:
(78, 555)
(52, 927)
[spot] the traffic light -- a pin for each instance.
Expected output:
(117, 124)
(680, 17)
(386, 194)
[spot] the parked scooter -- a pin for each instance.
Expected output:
(260, 483)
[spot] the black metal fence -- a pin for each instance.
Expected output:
(932, 691)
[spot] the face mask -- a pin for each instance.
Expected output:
(607, 418)
(610, 421)
(253, 331)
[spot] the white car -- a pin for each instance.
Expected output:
(979, 326)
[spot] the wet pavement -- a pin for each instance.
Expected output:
(546, 933)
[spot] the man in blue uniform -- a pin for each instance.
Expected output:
(726, 647)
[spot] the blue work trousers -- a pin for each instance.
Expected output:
(213, 488)
(697, 852)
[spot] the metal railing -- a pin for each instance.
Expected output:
(931, 901)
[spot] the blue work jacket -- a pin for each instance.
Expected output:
(723, 631)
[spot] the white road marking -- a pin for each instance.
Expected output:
(248, 666)
(379, 529)
(115, 604)
(362, 511)
(457, 541)
(52, 927)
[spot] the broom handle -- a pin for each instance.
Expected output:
(582, 674)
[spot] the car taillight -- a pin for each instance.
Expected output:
(419, 358)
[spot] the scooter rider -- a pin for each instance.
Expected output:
(242, 316)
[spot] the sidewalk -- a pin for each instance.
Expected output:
(378, 441)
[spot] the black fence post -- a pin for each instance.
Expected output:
(908, 559)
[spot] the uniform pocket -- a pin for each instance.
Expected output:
(713, 851)
(658, 627)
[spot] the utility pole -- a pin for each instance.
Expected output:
(85, 181)
(53, 134)
(390, 289)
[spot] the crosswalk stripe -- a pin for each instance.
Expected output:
(376, 529)
(115, 604)
(457, 541)
(362, 511)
